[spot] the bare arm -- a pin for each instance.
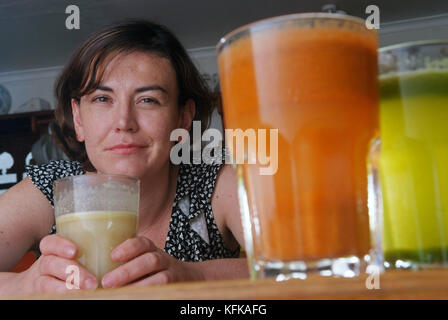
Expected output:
(25, 219)
(226, 208)
(221, 269)
(26, 216)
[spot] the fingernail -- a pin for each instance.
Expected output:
(107, 282)
(70, 251)
(90, 283)
(119, 254)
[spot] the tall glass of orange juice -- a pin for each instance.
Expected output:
(305, 86)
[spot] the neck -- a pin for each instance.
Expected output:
(157, 192)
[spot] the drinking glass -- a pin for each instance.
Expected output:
(96, 212)
(303, 89)
(408, 165)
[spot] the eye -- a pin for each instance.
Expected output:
(148, 100)
(101, 99)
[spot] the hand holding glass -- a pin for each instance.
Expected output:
(96, 212)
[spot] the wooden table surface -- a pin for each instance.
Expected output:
(431, 284)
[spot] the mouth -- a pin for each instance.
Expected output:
(126, 148)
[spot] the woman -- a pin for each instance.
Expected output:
(120, 96)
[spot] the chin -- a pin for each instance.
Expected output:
(131, 171)
(125, 168)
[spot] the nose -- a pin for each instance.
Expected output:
(125, 118)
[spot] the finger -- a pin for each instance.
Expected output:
(60, 268)
(58, 246)
(132, 248)
(148, 263)
(162, 277)
(47, 284)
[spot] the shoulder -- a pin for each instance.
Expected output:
(43, 176)
(214, 186)
(204, 173)
(214, 182)
(199, 179)
(56, 168)
(26, 216)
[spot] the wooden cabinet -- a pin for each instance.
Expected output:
(18, 133)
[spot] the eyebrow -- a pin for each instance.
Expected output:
(138, 90)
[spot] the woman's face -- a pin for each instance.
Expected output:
(126, 123)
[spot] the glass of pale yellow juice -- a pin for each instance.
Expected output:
(96, 212)
(409, 176)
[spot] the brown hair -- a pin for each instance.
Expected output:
(83, 73)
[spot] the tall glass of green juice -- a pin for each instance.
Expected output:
(408, 180)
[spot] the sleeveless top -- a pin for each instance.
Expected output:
(192, 234)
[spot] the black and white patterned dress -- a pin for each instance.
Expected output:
(192, 234)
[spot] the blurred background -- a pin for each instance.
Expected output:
(35, 44)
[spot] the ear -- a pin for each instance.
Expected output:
(187, 115)
(77, 120)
